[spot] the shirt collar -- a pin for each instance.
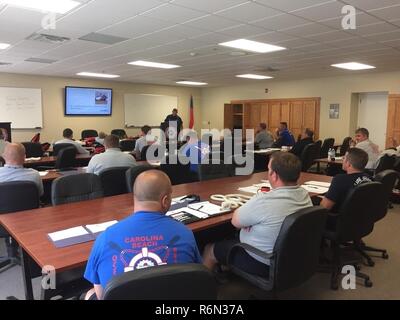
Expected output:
(113, 150)
(13, 167)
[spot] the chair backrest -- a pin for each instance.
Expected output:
(386, 162)
(357, 214)
(209, 171)
(127, 145)
(143, 153)
(328, 144)
(177, 173)
(59, 146)
(389, 180)
(345, 146)
(18, 196)
(308, 156)
(132, 173)
(113, 181)
(66, 158)
(190, 282)
(2, 161)
(33, 149)
(89, 133)
(297, 247)
(74, 188)
(120, 133)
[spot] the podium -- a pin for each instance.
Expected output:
(7, 126)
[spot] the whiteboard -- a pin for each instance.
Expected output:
(147, 109)
(22, 107)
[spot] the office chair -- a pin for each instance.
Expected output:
(154, 153)
(2, 161)
(132, 173)
(15, 196)
(74, 188)
(120, 133)
(113, 181)
(33, 150)
(89, 133)
(386, 162)
(328, 144)
(354, 221)
(345, 146)
(209, 171)
(177, 173)
(59, 146)
(127, 145)
(295, 257)
(166, 282)
(308, 156)
(65, 161)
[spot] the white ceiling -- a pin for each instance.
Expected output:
(186, 32)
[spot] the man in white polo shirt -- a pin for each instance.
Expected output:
(113, 157)
(13, 170)
(68, 134)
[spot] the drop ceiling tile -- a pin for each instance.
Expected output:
(73, 48)
(273, 37)
(209, 6)
(308, 30)
(322, 11)
(290, 5)
(174, 13)
(283, 21)
(387, 36)
(388, 13)
(331, 36)
(361, 20)
(212, 23)
(243, 31)
(371, 4)
(371, 29)
(248, 12)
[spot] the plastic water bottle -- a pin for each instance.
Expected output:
(331, 154)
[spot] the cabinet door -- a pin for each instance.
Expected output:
(247, 110)
(285, 112)
(296, 118)
(264, 115)
(309, 115)
(393, 124)
(274, 116)
(255, 116)
(228, 116)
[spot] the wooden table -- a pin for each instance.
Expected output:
(338, 162)
(81, 159)
(30, 228)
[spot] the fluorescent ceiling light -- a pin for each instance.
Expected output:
(153, 64)
(254, 76)
(252, 46)
(97, 75)
(4, 46)
(59, 6)
(353, 66)
(192, 83)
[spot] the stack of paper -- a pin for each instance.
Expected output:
(100, 227)
(43, 173)
(33, 159)
(315, 189)
(207, 208)
(318, 183)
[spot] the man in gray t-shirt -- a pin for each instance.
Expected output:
(264, 138)
(260, 219)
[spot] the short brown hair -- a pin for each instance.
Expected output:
(309, 133)
(286, 165)
(146, 129)
(68, 133)
(111, 141)
(263, 126)
(363, 131)
(358, 158)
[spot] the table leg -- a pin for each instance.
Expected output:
(26, 275)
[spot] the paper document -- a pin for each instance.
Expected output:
(319, 184)
(198, 214)
(100, 227)
(43, 173)
(315, 189)
(265, 183)
(207, 208)
(251, 189)
(68, 233)
(33, 159)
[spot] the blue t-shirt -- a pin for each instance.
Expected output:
(142, 240)
(196, 152)
(287, 138)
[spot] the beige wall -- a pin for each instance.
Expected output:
(54, 120)
(331, 90)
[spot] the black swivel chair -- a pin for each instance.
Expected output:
(133, 173)
(295, 257)
(386, 162)
(127, 145)
(178, 173)
(143, 153)
(74, 188)
(59, 146)
(308, 156)
(354, 221)
(89, 133)
(113, 181)
(345, 146)
(209, 171)
(167, 282)
(328, 144)
(2, 162)
(120, 133)
(15, 196)
(33, 150)
(65, 160)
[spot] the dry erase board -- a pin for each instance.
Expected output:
(150, 109)
(22, 107)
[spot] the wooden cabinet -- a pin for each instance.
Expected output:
(393, 123)
(299, 113)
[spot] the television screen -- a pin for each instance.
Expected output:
(88, 101)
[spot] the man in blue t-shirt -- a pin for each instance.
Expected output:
(145, 239)
(285, 138)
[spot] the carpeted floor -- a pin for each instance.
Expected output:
(385, 275)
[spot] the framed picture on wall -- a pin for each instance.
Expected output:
(334, 111)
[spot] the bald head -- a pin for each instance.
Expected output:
(14, 154)
(152, 191)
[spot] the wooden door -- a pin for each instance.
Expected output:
(247, 110)
(264, 115)
(274, 116)
(309, 115)
(296, 118)
(255, 116)
(393, 124)
(228, 116)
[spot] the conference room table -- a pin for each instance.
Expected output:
(337, 162)
(31, 228)
(81, 160)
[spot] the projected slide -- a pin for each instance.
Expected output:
(88, 101)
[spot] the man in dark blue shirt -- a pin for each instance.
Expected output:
(285, 138)
(306, 139)
(145, 239)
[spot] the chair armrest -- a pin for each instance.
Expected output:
(332, 214)
(251, 249)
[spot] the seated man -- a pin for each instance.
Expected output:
(284, 137)
(100, 138)
(68, 134)
(3, 140)
(195, 150)
(362, 142)
(142, 141)
(113, 157)
(306, 139)
(354, 163)
(260, 219)
(264, 138)
(122, 247)
(13, 170)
